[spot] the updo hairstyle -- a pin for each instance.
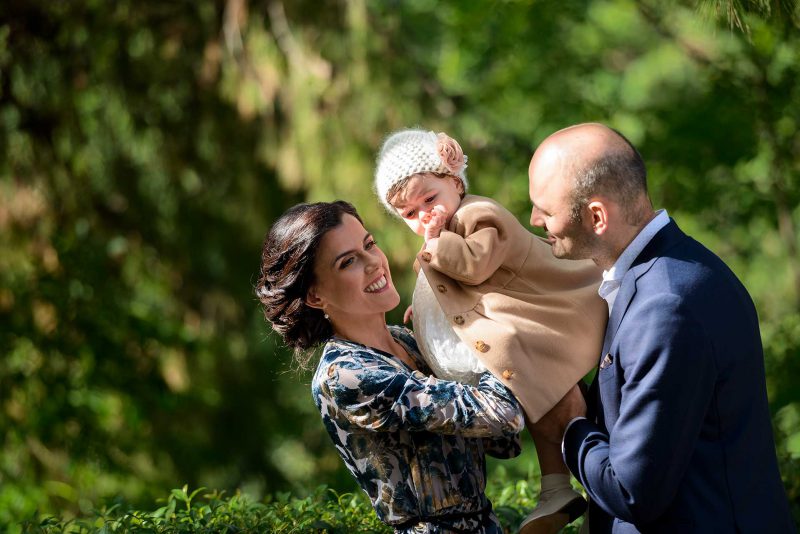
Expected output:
(287, 272)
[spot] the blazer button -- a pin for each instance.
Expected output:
(481, 346)
(441, 288)
(458, 319)
(426, 256)
(508, 374)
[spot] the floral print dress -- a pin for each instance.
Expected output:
(414, 443)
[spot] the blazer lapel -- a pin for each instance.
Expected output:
(665, 239)
(626, 292)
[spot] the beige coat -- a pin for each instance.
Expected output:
(535, 321)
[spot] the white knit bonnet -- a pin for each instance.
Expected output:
(409, 152)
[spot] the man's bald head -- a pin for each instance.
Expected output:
(600, 162)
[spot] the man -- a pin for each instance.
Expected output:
(678, 437)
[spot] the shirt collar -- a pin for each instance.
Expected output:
(623, 264)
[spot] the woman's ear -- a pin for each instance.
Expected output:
(312, 299)
(598, 213)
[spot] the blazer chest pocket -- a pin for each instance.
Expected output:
(607, 368)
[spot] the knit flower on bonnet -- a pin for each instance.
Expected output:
(449, 150)
(409, 152)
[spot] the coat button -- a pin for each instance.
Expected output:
(426, 256)
(458, 319)
(508, 374)
(481, 346)
(441, 288)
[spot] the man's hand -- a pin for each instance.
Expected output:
(434, 222)
(554, 423)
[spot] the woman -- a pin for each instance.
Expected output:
(414, 443)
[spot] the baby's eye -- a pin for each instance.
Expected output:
(430, 199)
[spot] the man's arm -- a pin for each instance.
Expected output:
(634, 472)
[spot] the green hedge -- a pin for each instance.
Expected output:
(324, 511)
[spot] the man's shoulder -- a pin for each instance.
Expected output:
(687, 270)
(688, 258)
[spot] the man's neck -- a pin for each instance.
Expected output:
(625, 236)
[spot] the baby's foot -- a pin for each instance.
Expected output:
(556, 508)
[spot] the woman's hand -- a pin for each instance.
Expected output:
(408, 314)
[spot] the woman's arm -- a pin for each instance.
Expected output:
(375, 395)
(503, 447)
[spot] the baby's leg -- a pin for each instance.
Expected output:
(548, 450)
(546, 433)
(558, 503)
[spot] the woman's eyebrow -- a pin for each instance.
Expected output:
(342, 255)
(346, 252)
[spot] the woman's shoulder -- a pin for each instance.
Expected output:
(342, 351)
(348, 354)
(338, 355)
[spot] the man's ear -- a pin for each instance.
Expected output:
(598, 216)
(312, 299)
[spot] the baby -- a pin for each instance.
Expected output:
(491, 296)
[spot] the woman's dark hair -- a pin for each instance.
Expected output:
(287, 272)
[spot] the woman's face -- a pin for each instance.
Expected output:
(352, 275)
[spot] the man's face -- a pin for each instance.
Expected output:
(550, 188)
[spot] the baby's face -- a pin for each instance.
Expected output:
(415, 202)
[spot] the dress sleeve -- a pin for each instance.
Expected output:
(477, 249)
(504, 447)
(373, 394)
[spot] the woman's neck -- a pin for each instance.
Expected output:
(371, 332)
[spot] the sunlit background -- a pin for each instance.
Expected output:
(146, 146)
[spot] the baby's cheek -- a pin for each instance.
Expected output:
(415, 227)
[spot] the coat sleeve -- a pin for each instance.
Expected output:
(477, 248)
(634, 471)
(375, 395)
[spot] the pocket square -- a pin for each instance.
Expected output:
(607, 361)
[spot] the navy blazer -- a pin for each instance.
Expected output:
(681, 439)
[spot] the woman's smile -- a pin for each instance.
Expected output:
(378, 286)
(352, 275)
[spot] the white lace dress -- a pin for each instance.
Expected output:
(444, 352)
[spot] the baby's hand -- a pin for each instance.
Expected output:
(407, 315)
(435, 222)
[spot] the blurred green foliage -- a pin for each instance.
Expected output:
(323, 511)
(145, 147)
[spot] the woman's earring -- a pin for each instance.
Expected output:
(327, 316)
